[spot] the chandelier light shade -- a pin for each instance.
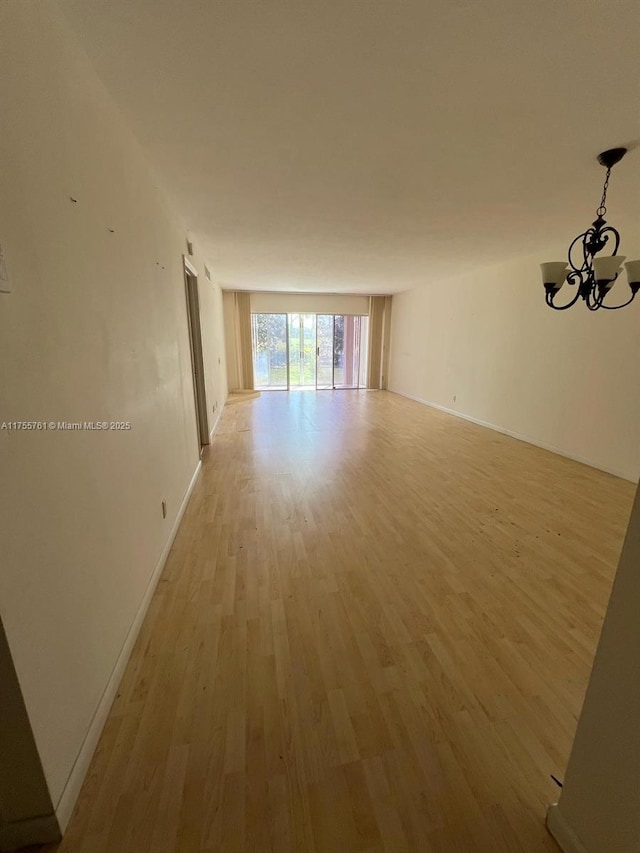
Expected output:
(554, 274)
(592, 274)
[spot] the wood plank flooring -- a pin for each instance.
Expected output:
(373, 633)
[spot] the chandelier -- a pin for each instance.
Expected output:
(593, 276)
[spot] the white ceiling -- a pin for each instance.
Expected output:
(368, 146)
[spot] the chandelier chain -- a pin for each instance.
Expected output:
(602, 207)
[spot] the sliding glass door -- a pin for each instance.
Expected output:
(270, 351)
(324, 351)
(309, 351)
(349, 348)
(302, 350)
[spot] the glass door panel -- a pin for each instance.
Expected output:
(308, 350)
(302, 350)
(346, 351)
(324, 351)
(364, 352)
(295, 357)
(350, 352)
(338, 351)
(269, 345)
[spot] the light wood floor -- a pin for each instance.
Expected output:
(373, 633)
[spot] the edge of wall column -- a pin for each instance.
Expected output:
(217, 420)
(624, 475)
(562, 832)
(67, 801)
(34, 830)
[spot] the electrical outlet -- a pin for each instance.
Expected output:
(164, 508)
(455, 397)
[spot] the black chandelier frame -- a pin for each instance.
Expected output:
(586, 246)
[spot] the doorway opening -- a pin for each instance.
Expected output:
(301, 351)
(197, 362)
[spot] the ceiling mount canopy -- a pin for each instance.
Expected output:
(609, 158)
(593, 276)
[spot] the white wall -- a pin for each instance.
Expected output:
(599, 808)
(214, 348)
(94, 330)
(314, 303)
(487, 346)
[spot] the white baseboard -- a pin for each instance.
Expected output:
(625, 475)
(562, 832)
(66, 803)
